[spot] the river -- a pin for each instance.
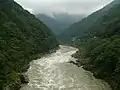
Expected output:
(52, 72)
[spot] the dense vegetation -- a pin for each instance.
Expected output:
(99, 44)
(22, 38)
(101, 56)
(59, 22)
(80, 28)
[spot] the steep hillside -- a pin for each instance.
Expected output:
(59, 22)
(56, 26)
(22, 38)
(80, 28)
(99, 51)
(107, 25)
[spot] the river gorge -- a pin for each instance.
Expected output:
(53, 72)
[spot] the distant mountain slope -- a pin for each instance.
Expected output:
(54, 25)
(59, 22)
(80, 28)
(109, 24)
(22, 38)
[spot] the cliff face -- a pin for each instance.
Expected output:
(22, 38)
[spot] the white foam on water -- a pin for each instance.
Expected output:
(54, 73)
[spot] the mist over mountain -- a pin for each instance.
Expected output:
(81, 27)
(59, 21)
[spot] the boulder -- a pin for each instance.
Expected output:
(14, 86)
(24, 78)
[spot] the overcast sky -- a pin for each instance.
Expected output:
(70, 6)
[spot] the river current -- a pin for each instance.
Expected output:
(52, 72)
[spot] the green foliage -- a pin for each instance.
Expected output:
(22, 38)
(101, 56)
(107, 25)
(13, 77)
(100, 51)
(102, 23)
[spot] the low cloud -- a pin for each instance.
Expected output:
(69, 6)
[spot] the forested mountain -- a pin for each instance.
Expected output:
(59, 22)
(22, 38)
(99, 49)
(56, 26)
(67, 18)
(80, 28)
(108, 24)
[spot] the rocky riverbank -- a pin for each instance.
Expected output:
(22, 78)
(85, 65)
(19, 79)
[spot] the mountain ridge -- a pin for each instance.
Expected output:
(59, 22)
(22, 39)
(80, 28)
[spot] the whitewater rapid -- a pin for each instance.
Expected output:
(52, 72)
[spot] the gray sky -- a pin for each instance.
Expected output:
(70, 6)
